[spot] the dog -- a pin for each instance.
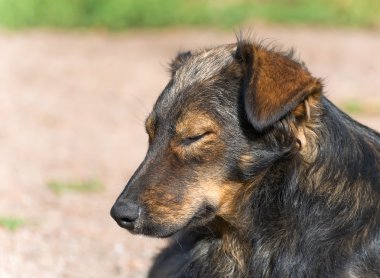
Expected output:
(252, 172)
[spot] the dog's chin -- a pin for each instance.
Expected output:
(203, 216)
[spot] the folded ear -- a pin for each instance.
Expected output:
(274, 84)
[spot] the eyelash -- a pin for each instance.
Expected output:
(191, 139)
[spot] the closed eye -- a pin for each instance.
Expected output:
(191, 139)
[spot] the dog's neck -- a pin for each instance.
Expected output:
(224, 244)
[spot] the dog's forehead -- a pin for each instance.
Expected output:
(203, 65)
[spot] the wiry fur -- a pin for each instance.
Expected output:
(291, 192)
(317, 219)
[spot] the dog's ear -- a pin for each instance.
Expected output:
(178, 61)
(274, 84)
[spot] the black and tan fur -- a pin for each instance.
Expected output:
(252, 172)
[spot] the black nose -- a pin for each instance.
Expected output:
(125, 214)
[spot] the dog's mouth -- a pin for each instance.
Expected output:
(201, 217)
(204, 215)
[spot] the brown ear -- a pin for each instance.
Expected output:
(274, 84)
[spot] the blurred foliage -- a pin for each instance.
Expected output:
(11, 223)
(86, 186)
(353, 106)
(120, 14)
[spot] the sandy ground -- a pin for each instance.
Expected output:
(72, 107)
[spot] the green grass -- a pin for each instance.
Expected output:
(11, 223)
(86, 186)
(120, 14)
(360, 107)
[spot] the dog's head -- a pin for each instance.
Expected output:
(208, 135)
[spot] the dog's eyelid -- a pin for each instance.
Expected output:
(199, 135)
(191, 139)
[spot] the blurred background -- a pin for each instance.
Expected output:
(78, 78)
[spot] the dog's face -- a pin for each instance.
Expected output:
(205, 133)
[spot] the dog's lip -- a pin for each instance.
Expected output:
(202, 216)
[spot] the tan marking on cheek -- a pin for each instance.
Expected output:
(222, 195)
(165, 207)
